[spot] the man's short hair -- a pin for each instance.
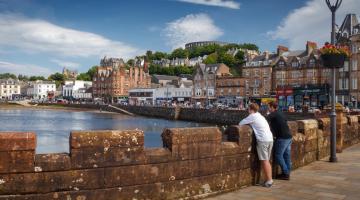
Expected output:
(254, 107)
(273, 104)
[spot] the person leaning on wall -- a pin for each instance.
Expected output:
(264, 140)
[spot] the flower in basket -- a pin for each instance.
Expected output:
(334, 56)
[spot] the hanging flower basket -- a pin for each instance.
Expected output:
(333, 60)
(334, 56)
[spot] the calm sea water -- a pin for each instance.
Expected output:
(53, 127)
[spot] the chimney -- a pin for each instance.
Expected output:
(281, 50)
(310, 46)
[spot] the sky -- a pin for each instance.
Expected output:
(40, 37)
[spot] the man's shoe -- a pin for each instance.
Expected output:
(268, 184)
(283, 177)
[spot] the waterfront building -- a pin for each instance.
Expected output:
(41, 89)
(355, 69)
(112, 80)
(257, 75)
(193, 45)
(77, 89)
(230, 90)
(205, 82)
(160, 96)
(300, 79)
(347, 91)
(9, 89)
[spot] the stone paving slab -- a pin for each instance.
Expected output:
(319, 180)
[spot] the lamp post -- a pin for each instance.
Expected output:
(333, 6)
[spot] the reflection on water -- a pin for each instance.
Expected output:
(53, 127)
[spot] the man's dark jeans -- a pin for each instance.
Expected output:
(283, 154)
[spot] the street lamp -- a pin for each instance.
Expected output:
(333, 6)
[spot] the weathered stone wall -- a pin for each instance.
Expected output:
(194, 163)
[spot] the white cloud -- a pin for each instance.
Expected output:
(25, 69)
(36, 35)
(64, 63)
(311, 22)
(221, 3)
(193, 27)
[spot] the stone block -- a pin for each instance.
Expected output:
(22, 183)
(87, 158)
(106, 139)
(307, 124)
(45, 182)
(178, 136)
(230, 148)
(237, 162)
(157, 155)
(102, 157)
(74, 180)
(17, 141)
(52, 162)
(208, 166)
(188, 151)
(17, 161)
(293, 126)
(311, 145)
(137, 174)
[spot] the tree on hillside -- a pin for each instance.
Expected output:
(87, 76)
(35, 78)
(130, 62)
(159, 55)
(211, 59)
(58, 78)
(7, 75)
(179, 53)
(23, 77)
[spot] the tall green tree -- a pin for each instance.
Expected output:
(58, 78)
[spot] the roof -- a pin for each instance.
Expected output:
(165, 77)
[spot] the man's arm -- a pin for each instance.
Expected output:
(248, 120)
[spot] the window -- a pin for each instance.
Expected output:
(354, 48)
(346, 66)
(247, 73)
(310, 73)
(265, 72)
(229, 91)
(354, 65)
(295, 64)
(281, 64)
(256, 91)
(256, 73)
(257, 82)
(354, 83)
(246, 83)
(312, 63)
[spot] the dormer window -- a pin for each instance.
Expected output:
(295, 64)
(281, 64)
(312, 62)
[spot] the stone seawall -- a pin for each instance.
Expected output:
(219, 117)
(112, 165)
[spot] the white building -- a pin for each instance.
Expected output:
(40, 89)
(9, 89)
(159, 96)
(77, 89)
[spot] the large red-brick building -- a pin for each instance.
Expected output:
(113, 79)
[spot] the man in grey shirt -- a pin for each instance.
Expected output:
(264, 140)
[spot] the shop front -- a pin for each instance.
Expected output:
(311, 96)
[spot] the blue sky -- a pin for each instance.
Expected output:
(42, 36)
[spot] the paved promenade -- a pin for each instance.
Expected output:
(319, 180)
